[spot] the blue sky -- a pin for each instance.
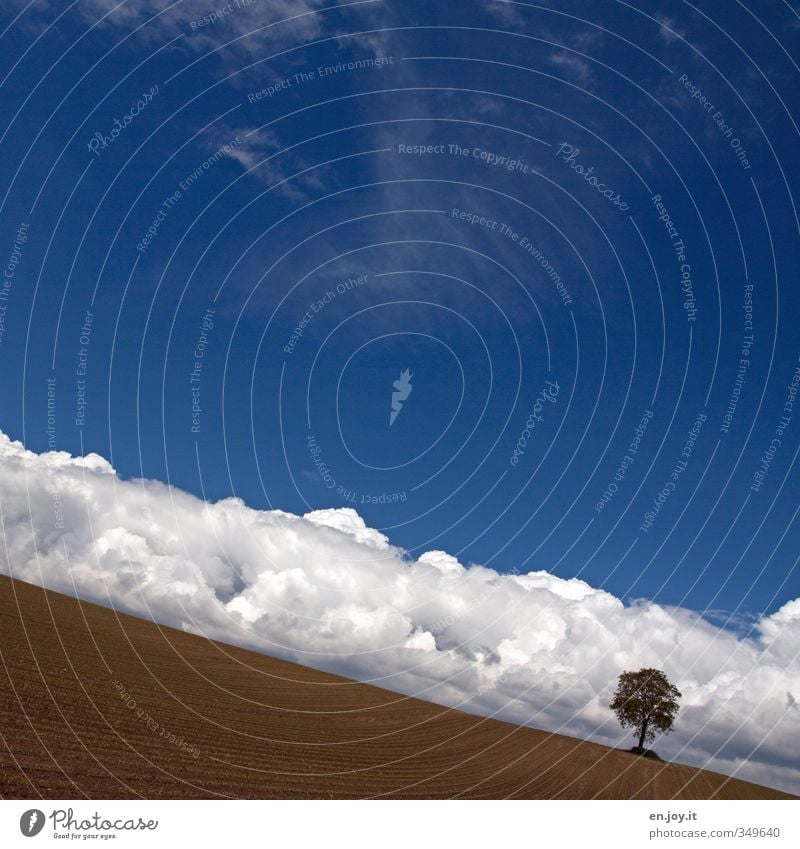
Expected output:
(473, 156)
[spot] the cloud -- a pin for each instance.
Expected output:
(248, 28)
(573, 65)
(506, 13)
(346, 520)
(569, 43)
(669, 32)
(326, 590)
(262, 154)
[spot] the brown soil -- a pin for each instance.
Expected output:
(74, 676)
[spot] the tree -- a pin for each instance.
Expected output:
(647, 702)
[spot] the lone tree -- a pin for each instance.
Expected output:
(646, 702)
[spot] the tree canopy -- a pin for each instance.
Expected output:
(647, 702)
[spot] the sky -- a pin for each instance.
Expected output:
(491, 289)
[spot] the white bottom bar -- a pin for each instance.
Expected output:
(400, 825)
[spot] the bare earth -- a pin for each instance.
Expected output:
(217, 721)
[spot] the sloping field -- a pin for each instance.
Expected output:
(101, 705)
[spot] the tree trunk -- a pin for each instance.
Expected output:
(642, 737)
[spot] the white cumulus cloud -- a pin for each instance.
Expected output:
(326, 590)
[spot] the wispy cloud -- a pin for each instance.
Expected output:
(245, 27)
(264, 156)
(572, 65)
(669, 31)
(506, 13)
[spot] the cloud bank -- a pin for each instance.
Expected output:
(325, 590)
